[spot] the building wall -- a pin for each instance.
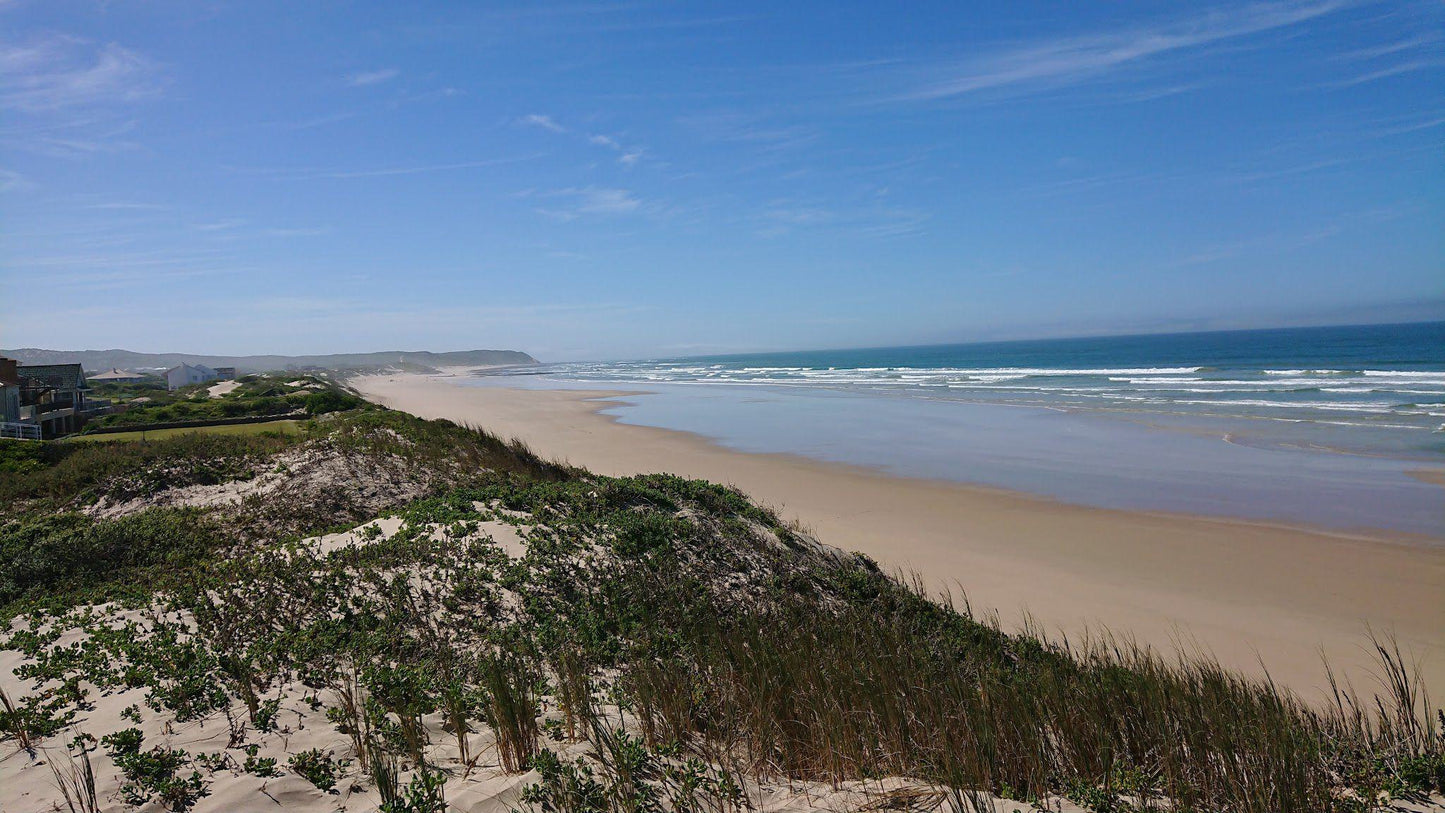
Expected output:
(9, 391)
(9, 403)
(185, 375)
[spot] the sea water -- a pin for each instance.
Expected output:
(1328, 426)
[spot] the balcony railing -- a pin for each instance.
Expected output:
(21, 431)
(46, 407)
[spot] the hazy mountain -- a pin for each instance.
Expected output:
(99, 360)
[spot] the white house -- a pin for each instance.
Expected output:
(188, 374)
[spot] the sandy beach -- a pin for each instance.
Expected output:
(1249, 593)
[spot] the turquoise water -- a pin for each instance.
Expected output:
(1315, 425)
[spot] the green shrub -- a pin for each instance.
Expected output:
(259, 765)
(21, 457)
(52, 557)
(317, 768)
(642, 533)
(326, 401)
(84, 472)
(153, 775)
(424, 794)
(564, 787)
(266, 712)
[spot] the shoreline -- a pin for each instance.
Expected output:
(1244, 591)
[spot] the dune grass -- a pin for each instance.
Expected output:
(285, 427)
(900, 685)
(51, 476)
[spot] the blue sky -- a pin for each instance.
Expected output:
(585, 180)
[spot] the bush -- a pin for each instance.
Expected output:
(19, 457)
(320, 403)
(51, 557)
(154, 774)
(642, 533)
(424, 794)
(82, 472)
(317, 768)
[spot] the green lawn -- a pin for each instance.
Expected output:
(289, 427)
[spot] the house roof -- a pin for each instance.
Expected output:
(55, 376)
(183, 366)
(115, 375)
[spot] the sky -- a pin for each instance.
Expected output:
(618, 180)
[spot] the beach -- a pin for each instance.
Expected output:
(1256, 595)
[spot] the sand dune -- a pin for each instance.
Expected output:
(1251, 593)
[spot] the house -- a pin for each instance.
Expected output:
(117, 376)
(226, 373)
(56, 398)
(185, 375)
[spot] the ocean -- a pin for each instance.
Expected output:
(1327, 426)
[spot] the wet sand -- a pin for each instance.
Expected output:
(1250, 593)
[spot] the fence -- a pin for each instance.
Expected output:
(21, 431)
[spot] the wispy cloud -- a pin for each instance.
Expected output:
(415, 170)
(312, 174)
(545, 122)
(629, 156)
(1393, 129)
(376, 77)
(80, 138)
(748, 128)
(684, 23)
(11, 180)
(1074, 59)
(467, 314)
(1399, 69)
(799, 216)
(220, 225)
(66, 97)
(297, 232)
(125, 269)
(1390, 48)
(129, 206)
(1279, 242)
(868, 219)
(1274, 173)
(59, 72)
(590, 200)
(313, 121)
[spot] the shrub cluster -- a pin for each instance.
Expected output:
(254, 396)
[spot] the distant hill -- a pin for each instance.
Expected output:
(98, 360)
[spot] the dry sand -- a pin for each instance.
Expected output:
(1247, 592)
(219, 389)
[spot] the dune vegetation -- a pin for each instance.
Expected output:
(378, 611)
(259, 395)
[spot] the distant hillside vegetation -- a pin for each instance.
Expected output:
(126, 359)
